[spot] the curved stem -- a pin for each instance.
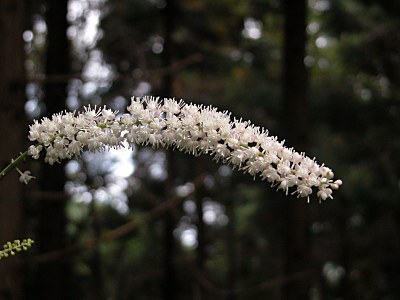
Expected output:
(14, 163)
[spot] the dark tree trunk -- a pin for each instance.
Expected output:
(295, 79)
(169, 279)
(167, 58)
(53, 280)
(231, 247)
(98, 284)
(294, 118)
(12, 135)
(200, 193)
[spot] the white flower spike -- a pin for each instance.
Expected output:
(190, 128)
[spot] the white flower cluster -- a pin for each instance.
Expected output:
(190, 128)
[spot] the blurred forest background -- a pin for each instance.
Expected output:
(157, 224)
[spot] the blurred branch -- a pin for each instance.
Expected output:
(118, 232)
(108, 236)
(177, 65)
(268, 284)
(171, 69)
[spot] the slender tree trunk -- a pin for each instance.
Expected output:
(296, 237)
(53, 280)
(169, 280)
(198, 291)
(231, 247)
(12, 131)
(169, 27)
(98, 286)
(295, 79)
(344, 290)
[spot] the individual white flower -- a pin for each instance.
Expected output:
(221, 152)
(285, 185)
(270, 174)
(237, 157)
(303, 190)
(287, 154)
(34, 151)
(108, 114)
(93, 144)
(324, 193)
(68, 118)
(283, 167)
(255, 166)
(34, 131)
(83, 137)
(60, 142)
(91, 113)
(171, 106)
(233, 142)
(24, 177)
(74, 147)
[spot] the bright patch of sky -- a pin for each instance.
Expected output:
(187, 234)
(225, 171)
(156, 44)
(213, 215)
(321, 42)
(142, 88)
(333, 273)
(158, 3)
(189, 206)
(97, 70)
(313, 28)
(119, 166)
(84, 17)
(84, 32)
(320, 5)
(33, 105)
(123, 163)
(185, 190)
(27, 36)
(158, 166)
(252, 29)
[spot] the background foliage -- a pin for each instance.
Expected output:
(155, 224)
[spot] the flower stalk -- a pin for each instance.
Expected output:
(194, 129)
(11, 248)
(13, 164)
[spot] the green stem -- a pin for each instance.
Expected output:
(104, 125)
(14, 163)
